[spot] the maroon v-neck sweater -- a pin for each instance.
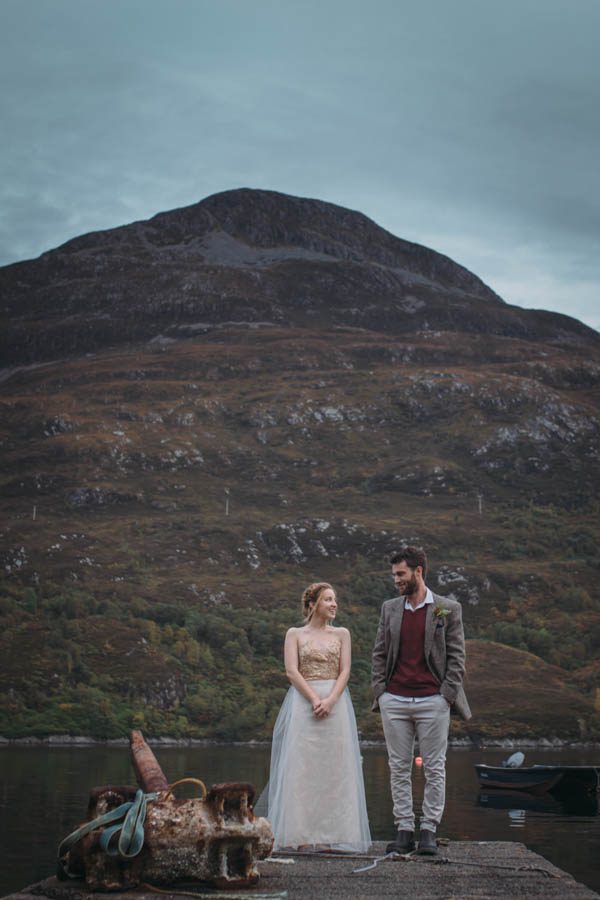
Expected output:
(412, 677)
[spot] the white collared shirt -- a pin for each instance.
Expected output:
(411, 608)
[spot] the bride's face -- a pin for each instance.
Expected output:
(327, 605)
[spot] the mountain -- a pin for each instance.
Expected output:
(248, 256)
(204, 412)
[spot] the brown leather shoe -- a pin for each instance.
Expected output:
(404, 842)
(427, 843)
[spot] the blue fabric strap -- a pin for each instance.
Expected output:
(130, 830)
(129, 819)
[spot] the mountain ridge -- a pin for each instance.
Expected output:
(255, 256)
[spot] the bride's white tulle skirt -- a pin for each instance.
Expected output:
(316, 792)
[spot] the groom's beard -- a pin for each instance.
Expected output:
(410, 587)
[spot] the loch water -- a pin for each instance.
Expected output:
(44, 791)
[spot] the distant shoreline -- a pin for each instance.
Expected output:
(66, 740)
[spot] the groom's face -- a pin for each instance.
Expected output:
(405, 578)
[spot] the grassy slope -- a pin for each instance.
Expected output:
(131, 598)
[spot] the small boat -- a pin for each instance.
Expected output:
(539, 779)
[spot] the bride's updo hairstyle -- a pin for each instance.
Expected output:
(310, 598)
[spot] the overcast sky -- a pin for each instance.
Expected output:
(470, 126)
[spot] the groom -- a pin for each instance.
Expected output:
(418, 668)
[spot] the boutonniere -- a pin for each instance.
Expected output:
(440, 612)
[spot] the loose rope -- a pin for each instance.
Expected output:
(412, 856)
(316, 854)
(219, 895)
(528, 867)
(392, 855)
(444, 860)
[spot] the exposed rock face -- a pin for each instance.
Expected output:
(247, 256)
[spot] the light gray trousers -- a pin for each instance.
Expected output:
(428, 721)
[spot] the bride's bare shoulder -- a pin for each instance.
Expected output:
(340, 631)
(294, 632)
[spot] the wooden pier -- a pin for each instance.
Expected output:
(462, 869)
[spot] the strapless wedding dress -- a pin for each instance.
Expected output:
(315, 795)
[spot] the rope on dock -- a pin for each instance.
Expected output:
(218, 895)
(394, 856)
(481, 865)
(376, 860)
(444, 860)
(317, 854)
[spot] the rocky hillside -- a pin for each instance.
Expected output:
(203, 412)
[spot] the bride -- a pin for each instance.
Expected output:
(316, 795)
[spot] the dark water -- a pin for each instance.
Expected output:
(43, 797)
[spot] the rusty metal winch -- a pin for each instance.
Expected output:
(147, 835)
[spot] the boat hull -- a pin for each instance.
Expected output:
(540, 779)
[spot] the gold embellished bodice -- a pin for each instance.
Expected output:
(319, 661)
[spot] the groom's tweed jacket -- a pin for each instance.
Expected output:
(444, 649)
